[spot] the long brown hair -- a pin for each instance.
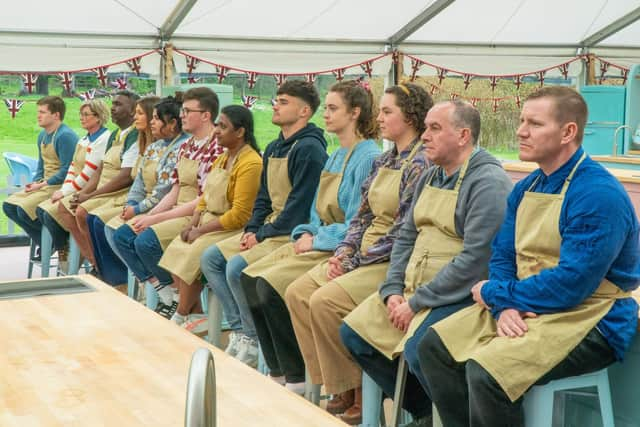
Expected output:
(354, 95)
(145, 138)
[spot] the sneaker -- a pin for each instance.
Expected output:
(248, 351)
(166, 311)
(178, 318)
(234, 342)
(165, 293)
(297, 388)
(197, 324)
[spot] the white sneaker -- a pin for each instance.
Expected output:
(297, 388)
(248, 351)
(178, 318)
(165, 294)
(234, 342)
(196, 323)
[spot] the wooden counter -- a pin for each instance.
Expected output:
(630, 179)
(102, 359)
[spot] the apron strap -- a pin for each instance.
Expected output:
(573, 171)
(461, 175)
(411, 155)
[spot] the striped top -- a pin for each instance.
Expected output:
(96, 144)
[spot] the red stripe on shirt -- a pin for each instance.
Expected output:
(77, 187)
(91, 165)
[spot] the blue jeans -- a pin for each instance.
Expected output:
(33, 227)
(111, 269)
(384, 371)
(109, 233)
(141, 253)
(224, 280)
(59, 235)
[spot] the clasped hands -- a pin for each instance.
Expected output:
(511, 322)
(399, 312)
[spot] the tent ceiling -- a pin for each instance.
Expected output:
(247, 31)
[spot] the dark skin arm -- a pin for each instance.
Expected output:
(120, 181)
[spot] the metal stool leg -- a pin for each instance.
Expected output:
(214, 319)
(74, 257)
(45, 252)
(132, 285)
(398, 394)
(32, 253)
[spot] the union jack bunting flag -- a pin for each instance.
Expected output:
(367, 67)
(13, 105)
(192, 63)
(101, 74)
(564, 70)
(415, 66)
(193, 79)
(134, 65)
(29, 81)
(252, 78)
(67, 80)
(249, 100)
(88, 95)
(339, 74)
(120, 83)
(222, 72)
(442, 73)
(311, 77)
(280, 78)
(466, 79)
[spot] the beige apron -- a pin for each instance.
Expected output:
(283, 266)
(149, 177)
(105, 206)
(436, 245)
(30, 201)
(279, 187)
(517, 363)
(76, 167)
(167, 230)
(384, 200)
(182, 258)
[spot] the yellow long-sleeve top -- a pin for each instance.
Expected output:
(242, 189)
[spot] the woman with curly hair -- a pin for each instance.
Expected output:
(321, 298)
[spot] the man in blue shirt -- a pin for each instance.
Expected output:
(557, 302)
(56, 145)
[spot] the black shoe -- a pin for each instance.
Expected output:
(165, 310)
(94, 273)
(36, 255)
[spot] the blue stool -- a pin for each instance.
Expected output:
(371, 403)
(215, 316)
(538, 401)
(45, 252)
(73, 257)
(23, 168)
(132, 285)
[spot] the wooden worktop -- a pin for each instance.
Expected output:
(102, 359)
(623, 175)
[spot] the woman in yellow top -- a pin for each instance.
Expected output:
(219, 213)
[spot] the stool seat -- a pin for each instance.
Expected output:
(538, 401)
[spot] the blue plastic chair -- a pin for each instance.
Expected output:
(23, 168)
(538, 402)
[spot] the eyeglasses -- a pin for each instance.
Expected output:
(87, 114)
(186, 111)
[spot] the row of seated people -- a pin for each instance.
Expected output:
(338, 264)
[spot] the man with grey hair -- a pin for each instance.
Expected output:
(441, 251)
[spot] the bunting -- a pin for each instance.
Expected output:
(493, 82)
(222, 72)
(442, 73)
(29, 81)
(280, 78)
(134, 65)
(14, 106)
(564, 70)
(604, 66)
(540, 77)
(415, 66)
(120, 83)
(192, 63)
(252, 78)
(67, 80)
(367, 67)
(311, 77)
(101, 74)
(193, 79)
(88, 95)
(249, 100)
(339, 74)
(466, 79)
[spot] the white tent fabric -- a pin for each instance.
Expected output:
(297, 36)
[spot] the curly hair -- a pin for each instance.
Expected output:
(354, 95)
(414, 102)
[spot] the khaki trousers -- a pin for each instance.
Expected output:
(317, 313)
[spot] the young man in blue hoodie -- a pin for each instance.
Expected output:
(291, 172)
